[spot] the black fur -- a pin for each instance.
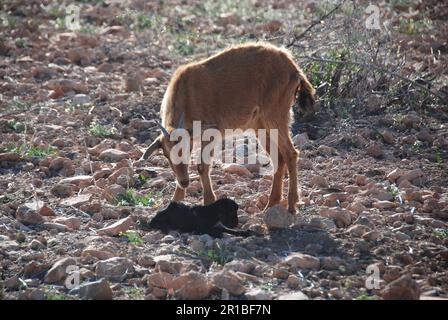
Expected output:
(214, 219)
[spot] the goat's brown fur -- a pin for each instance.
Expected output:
(246, 86)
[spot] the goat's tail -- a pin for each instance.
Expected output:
(306, 94)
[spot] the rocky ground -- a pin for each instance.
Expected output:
(78, 109)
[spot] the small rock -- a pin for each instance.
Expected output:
(404, 288)
(58, 270)
(230, 281)
(302, 261)
(62, 190)
(319, 181)
(277, 217)
(192, 286)
(341, 216)
(35, 245)
(113, 155)
(301, 141)
(237, 169)
(298, 295)
(388, 137)
(96, 290)
(394, 175)
(117, 227)
(28, 216)
(116, 268)
(375, 150)
(160, 280)
(71, 222)
(98, 253)
(258, 294)
(360, 180)
(80, 99)
(384, 205)
(77, 201)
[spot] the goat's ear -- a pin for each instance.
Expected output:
(156, 145)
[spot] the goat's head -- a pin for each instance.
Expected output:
(178, 158)
(228, 212)
(306, 98)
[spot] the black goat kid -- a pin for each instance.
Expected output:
(214, 219)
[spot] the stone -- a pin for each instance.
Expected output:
(375, 150)
(278, 217)
(116, 268)
(342, 217)
(160, 280)
(404, 288)
(98, 253)
(71, 222)
(301, 141)
(229, 281)
(361, 180)
(82, 181)
(29, 216)
(116, 228)
(11, 157)
(192, 286)
(35, 245)
(319, 181)
(113, 155)
(388, 137)
(237, 169)
(302, 261)
(258, 294)
(62, 190)
(77, 201)
(394, 175)
(80, 99)
(96, 290)
(58, 270)
(298, 295)
(384, 205)
(357, 230)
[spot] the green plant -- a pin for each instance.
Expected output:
(14, 125)
(26, 150)
(417, 146)
(55, 296)
(393, 190)
(142, 179)
(219, 254)
(267, 286)
(135, 293)
(411, 26)
(19, 104)
(99, 130)
(133, 237)
(132, 198)
(438, 156)
(88, 30)
(20, 43)
(441, 234)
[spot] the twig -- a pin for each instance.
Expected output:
(372, 66)
(315, 23)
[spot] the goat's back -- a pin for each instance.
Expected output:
(234, 88)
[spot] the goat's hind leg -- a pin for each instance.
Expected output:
(279, 172)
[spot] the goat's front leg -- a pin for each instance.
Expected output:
(204, 175)
(179, 193)
(291, 162)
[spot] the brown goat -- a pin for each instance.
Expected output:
(251, 86)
